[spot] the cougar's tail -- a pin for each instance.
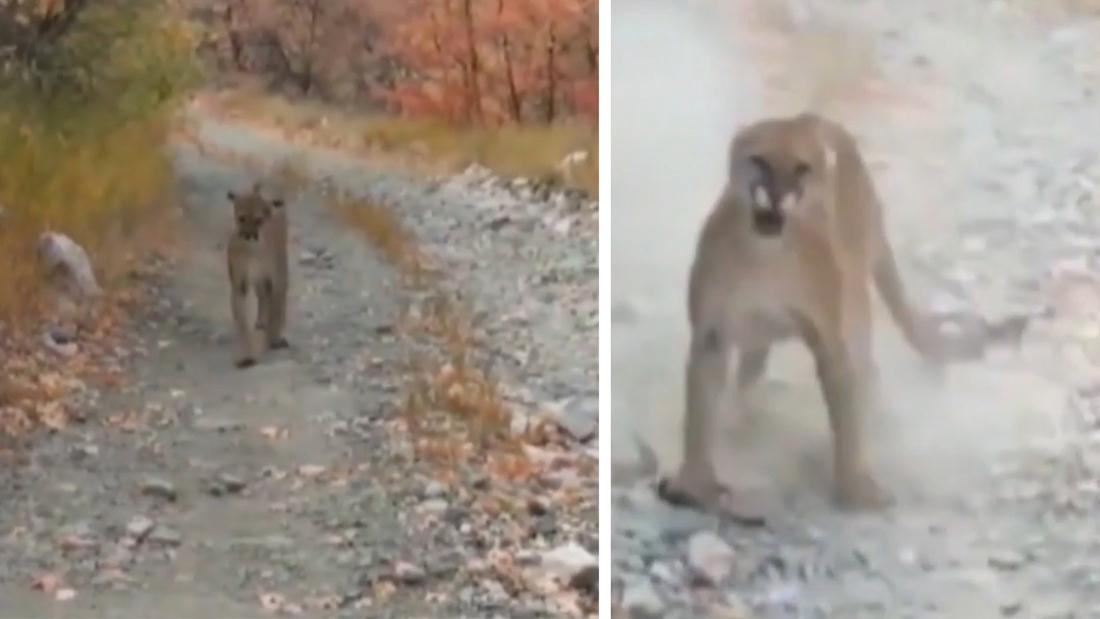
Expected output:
(919, 334)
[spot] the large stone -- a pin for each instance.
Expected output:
(709, 558)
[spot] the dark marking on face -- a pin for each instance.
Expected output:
(776, 187)
(242, 288)
(248, 227)
(251, 212)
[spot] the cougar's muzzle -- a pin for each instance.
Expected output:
(770, 209)
(248, 228)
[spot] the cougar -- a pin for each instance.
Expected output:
(789, 250)
(257, 258)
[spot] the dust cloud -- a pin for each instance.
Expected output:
(678, 92)
(677, 95)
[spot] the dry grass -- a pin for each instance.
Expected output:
(124, 238)
(380, 227)
(450, 383)
(535, 152)
(452, 409)
(100, 193)
(90, 166)
(36, 382)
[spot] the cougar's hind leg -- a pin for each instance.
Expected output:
(845, 370)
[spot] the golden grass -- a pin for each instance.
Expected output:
(111, 195)
(531, 151)
(380, 227)
(84, 157)
(99, 192)
(453, 411)
(442, 389)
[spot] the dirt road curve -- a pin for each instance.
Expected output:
(276, 490)
(980, 123)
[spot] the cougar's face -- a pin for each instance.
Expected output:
(250, 212)
(775, 191)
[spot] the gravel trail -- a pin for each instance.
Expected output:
(281, 489)
(979, 120)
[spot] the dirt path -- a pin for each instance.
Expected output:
(278, 489)
(978, 120)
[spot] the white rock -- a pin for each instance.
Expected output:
(732, 608)
(567, 560)
(139, 527)
(434, 489)
(709, 558)
(664, 573)
(434, 506)
(642, 601)
(68, 265)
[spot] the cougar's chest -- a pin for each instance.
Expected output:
(764, 306)
(764, 323)
(255, 257)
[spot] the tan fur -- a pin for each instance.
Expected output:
(750, 288)
(256, 255)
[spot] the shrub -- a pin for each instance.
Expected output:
(88, 89)
(492, 61)
(87, 94)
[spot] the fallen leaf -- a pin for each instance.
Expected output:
(324, 602)
(126, 421)
(53, 415)
(383, 590)
(46, 583)
(71, 542)
(114, 574)
(272, 602)
(275, 433)
(310, 470)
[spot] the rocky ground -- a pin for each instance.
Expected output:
(200, 490)
(980, 122)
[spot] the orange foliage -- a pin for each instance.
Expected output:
(471, 61)
(494, 61)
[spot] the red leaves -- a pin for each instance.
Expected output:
(53, 584)
(469, 61)
(494, 61)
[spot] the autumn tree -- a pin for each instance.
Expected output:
(490, 61)
(312, 48)
(88, 90)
